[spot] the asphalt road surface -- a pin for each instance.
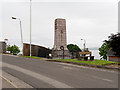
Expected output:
(44, 74)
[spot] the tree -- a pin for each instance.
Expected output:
(13, 49)
(114, 41)
(74, 49)
(9, 48)
(103, 50)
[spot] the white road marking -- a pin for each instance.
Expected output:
(43, 78)
(107, 80)
(9, 81)
(69, 68)
(85, 67)
(104, 79)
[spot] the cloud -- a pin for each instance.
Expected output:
(93, 21)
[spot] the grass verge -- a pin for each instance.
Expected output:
(95, 62)
(34, 57)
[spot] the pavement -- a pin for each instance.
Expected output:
(9, 81)
(43, 74)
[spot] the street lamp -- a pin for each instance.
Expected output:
(62, 48)
(21, 31)
(30, 26)
(84, 44)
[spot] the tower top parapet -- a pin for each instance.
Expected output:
(59, 19)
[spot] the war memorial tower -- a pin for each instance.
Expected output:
(60, 41)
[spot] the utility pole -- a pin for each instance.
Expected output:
(30, 26)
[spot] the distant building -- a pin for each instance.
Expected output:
(36, 50)
(112, 57)
(2, 47)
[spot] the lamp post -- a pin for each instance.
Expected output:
(84, 44)
(62, 48)
(20, 31)
(30, 26)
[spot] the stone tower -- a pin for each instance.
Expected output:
(60, 39)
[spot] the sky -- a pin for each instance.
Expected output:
(92, 20)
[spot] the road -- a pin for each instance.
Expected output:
(44, 74)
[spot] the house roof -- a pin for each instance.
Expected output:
(37, 46)
(111, 53)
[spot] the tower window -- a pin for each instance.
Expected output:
(61, 35)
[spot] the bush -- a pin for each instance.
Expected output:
(13, 49)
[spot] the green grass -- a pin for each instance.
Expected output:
(95, 62)
(32, 57)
